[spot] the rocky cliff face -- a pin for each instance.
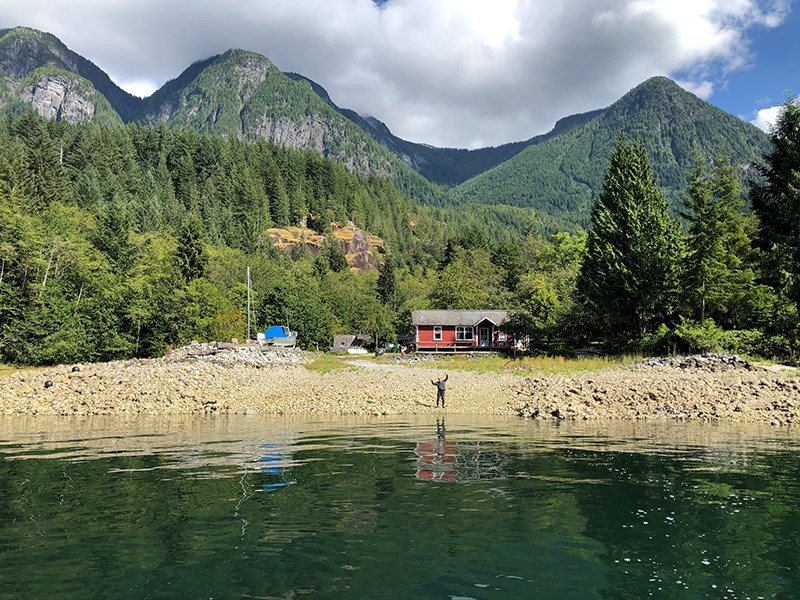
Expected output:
(361, 249)
(24, 50)
(57, 97)
(311, 132)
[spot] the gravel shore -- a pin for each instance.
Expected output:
(249, 380)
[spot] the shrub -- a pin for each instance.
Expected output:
(697, 337)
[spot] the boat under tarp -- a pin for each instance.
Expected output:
(279, 335)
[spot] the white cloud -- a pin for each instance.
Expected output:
(445, 72)
(142, 89)
(766, 117)
(702, 89)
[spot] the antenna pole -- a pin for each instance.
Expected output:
(248, 303)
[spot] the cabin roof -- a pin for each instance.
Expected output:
(465, 318)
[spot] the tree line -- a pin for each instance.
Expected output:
(120, 242)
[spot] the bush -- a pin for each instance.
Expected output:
(692, 337)
(658, 342)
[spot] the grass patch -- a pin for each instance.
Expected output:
(327, 363)
(6, 370)
(530, 365)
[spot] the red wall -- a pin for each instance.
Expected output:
(425, 338)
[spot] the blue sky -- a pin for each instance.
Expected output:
(774, 72)
(459, 73)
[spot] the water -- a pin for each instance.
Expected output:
(253, 507)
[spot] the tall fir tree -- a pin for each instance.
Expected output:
(387, 284)
(776, 201)
(717, 272)
(629, 276)
(191, 255)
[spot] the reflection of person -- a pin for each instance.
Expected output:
(437, 459)
(439, 383)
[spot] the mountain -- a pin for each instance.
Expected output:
(559, 173)
(243, 94)
(237, 93)
(24, 52)
(447, 167)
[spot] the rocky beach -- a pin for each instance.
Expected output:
(250, 380)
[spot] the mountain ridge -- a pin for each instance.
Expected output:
(559, 174)
(27, 57)
(243, 94)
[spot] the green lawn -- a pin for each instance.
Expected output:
(325, 363)
(539, 365)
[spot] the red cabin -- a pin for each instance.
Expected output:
(459, 330)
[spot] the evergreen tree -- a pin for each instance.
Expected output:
(387, 284)
(334, 252)
(191, 255)
(717, 276)
(114, 225)
(629, 275)
(776, 201)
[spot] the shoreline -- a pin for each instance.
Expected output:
(278, 383)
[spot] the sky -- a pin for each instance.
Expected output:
(452, 73)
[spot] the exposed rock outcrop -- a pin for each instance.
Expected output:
(361, 249)
(57, 97)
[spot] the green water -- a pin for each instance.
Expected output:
(250, 507)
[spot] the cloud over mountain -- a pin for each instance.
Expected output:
(461, 73)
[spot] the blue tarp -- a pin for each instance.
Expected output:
(276, 331)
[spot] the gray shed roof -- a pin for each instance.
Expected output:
(456, 317)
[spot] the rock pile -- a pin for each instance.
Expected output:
(232, 354)
(706, 362)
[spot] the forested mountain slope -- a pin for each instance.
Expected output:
(238, 93)
(558, 174)
(243, 95)
(444, 166)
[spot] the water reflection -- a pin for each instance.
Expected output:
(443, 460)
(274, 459)
(437, 458)
(250, 506)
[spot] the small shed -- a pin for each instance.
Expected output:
(342, 343)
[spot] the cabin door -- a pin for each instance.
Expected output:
(483, 337)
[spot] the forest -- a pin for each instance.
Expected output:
(126, 241)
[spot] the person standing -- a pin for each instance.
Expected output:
(439, 383)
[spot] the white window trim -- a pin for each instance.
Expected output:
(437, 333)
(467, 334)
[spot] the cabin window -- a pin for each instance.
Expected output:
(501, 336)
(463, 334)
(437, 333)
